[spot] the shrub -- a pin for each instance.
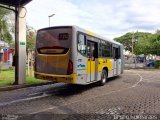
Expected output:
(157, 64)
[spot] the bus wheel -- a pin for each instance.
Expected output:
(103, 78)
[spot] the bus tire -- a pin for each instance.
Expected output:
(103, 78)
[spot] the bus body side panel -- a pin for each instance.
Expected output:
(111, 70)
(122, 58)
(116, 67)
(81, 69)
(105, 63)
(119, 66)
(73, 56)
(79, 61)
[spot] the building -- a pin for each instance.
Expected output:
(6, 53)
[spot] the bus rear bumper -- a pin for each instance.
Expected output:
(57, 78)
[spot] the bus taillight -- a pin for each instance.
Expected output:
(70, 67)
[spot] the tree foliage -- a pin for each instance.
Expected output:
(126, 40)
(30, 37)
(30, 46)
(5, 34)
(143, 42)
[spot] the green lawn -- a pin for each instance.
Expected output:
(7, 78)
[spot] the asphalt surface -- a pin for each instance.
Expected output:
(132, 95)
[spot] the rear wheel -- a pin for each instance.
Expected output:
(103, 78)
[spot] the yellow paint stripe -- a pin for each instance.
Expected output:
(91, 33)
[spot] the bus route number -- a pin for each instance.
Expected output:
(63, 36)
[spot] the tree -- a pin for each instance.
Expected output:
(30, 38)
(126, 40)
(5, 34)
(4, 31)
(155, 43)
(30, 46)
(142, 47)
(141, 42)
(4, 12)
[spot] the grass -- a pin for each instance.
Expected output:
(7, 78)
(32, 80)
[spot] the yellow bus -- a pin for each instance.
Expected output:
(70, 54)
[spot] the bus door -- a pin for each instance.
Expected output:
(92, 63)
(115, 60)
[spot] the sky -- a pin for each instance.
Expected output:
(108, 18)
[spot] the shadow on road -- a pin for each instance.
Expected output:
(73, 89)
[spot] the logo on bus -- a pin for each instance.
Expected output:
(81, 66)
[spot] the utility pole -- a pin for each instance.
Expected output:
(133, 40)
(132, 45)
(20, 46)
(50, 17)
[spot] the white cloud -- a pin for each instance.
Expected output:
(105, 17)
(66, 13)
(146, 10)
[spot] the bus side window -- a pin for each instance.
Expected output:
(89, 54)
(82, 44)
(100, 49)
(116, 54)
(106, 49)
(119, 53)
(111, 50)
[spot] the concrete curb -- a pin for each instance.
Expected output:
(14, 87)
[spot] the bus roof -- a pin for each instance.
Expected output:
(84, 31)
(95, 35)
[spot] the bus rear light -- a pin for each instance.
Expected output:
(70, 67)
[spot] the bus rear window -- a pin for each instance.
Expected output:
(56, 40)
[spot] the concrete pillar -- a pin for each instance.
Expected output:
(20, 46)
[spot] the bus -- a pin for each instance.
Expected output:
(70, 54)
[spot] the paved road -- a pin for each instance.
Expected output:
(134, 94)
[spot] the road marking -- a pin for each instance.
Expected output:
(49, 94)
(50, 108)
(141, 79)
(34, 96)
(25, 99)
(147, 80)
